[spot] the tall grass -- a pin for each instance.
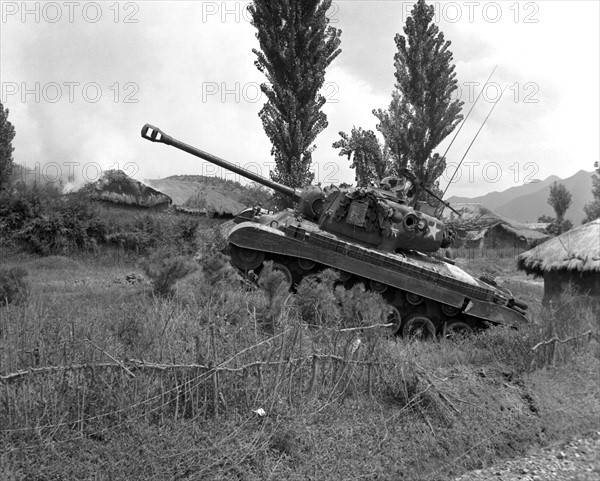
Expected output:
(94, 366)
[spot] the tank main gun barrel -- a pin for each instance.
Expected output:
(154, 134)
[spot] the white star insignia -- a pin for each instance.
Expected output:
(433, 230)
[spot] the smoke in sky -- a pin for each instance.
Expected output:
(80, 88)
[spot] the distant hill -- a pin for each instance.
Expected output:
(525, 203)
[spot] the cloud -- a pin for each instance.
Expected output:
(189, 68)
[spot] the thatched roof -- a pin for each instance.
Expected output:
(221, 203)
(116, 187)
(477, 220)
(212, 199)
(214, 202)
(476, 217)
(520, 231)
(574, 250)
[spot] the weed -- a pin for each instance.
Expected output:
(339, 404)
(317, 300)
(164, 270)
(285, 442)
(14, 288)
(361, 307)
(272, 283)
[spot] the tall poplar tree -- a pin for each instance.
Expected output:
(370, 160)
(422, 112)
(7, 134)
(296, 46)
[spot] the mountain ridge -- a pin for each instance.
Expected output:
(527, 202)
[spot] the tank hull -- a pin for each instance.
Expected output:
(407, 273)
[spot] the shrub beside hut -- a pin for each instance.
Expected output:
(572, 258)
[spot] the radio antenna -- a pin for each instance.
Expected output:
(474, 138)
(468, 113)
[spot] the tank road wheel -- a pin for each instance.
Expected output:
(450, 311)
(457, 329)
(414, 299)
(419, 327)
(395, 318)
(306, 264)
(344, 276)
(378, 287)
(246, 259)
(288, 277)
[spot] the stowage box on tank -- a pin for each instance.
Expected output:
(370, 235)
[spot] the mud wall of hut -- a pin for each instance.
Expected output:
(555, 281)
(499, 238)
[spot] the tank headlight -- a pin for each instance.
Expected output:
(422, 224)
(410, 222)
(318, 206)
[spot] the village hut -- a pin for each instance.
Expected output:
(214, 203)
(572, 258)
(116, 189)
(198, 197)
(509, 235)
(480, 228)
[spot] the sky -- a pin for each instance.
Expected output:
(80, 79)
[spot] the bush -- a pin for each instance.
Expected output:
(317, 301)
(322, 302)
(46, 222)
(272, 282)
(13, 286)
(212, 241)
(164, 270)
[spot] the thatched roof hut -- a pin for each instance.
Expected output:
(115, 187)
(195, 197)
(571, 258)
(215, 203)
(481, 228)
(504, 234)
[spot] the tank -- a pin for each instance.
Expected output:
(370, 235)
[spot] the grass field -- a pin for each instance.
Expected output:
(102, 379)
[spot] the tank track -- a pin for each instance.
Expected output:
(426, 298)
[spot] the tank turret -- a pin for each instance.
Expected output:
(378, 217)
(371, 236)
